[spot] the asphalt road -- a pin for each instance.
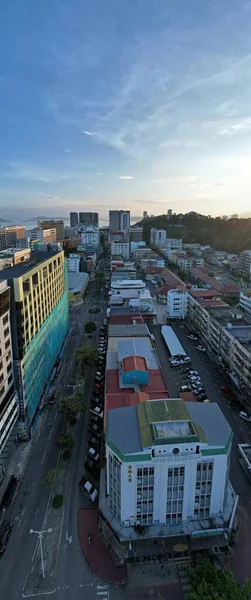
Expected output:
(74, 579)
(212, 379)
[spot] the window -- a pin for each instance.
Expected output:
(5, 319)
(7, 344)
(6, 332)
(175, 493)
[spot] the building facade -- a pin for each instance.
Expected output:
(8, 398)
(90, 236)
(244, 264)
(157, 236)
(73, 219)
(88, 218)
(177, 304)
(119, 220)
(136, 234)
(10, 234)
(245, 302)
(58, 225)
(174, 243)
(120, 249)
(46, 236)
(167, 475)
(39, 324)
(73, 263)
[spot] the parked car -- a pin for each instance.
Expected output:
(185, 388)
(99, 380)
(226, 390)
(193, 337)
(96, 401)
(88, 489)
(98, 411)
(92, 468)
(198, 390)
(243, 415)
(193, 372)
(94, 429)
(93, 454)
(200, 347)
(97, 393)
(5, 532)
(175, 363)
(186, 370)
(185, 360)
(93, 440)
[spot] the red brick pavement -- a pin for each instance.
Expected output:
(240, 563)
(96, 552)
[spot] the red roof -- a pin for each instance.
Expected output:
(204, 293)
(214, 283)
(154, 270)
(171, 279)
(212, 303)
(117, 397)
(125, 319)
(134, 363)
(138, 397)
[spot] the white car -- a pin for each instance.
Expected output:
(185, 360)
(243, 415)
(90, 491)
(200, 348)
(185, 388)
(190, 336)
(98, 411)
(93, 454)
(175, 363)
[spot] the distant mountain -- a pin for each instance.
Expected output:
(43, 218)
(5, 221)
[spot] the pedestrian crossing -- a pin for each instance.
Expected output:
(102, 592)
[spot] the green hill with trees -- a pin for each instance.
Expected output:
(232, 235)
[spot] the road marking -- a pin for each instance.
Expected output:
(43, 456)
(35, 595)
(69, 538)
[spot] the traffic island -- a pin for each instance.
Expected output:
(95, 550)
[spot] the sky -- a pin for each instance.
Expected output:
(135, 104)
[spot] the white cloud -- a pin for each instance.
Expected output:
(242, 126)
(99, 173)
(125, 177)
(67, 150)
(90, 133)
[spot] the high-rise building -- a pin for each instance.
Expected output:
(10, 234)
(73, 219)
(119, 220)
(88, 218)
(59, 226)
(8, 397)
(136, 234)
(157, 236)
(244, 264)
(43, 235)
(90, 236)
(169, 214)
(145, 214)
(39, 324)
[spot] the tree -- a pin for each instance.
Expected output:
(70, 406)
(52, 477)
(90, 326)
(209, 583)
(65, 441)
(86, 357)
(99, 275)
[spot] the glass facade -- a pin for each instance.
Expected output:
(175, 494)
(115, 485)
(145, 494)
(203, 489)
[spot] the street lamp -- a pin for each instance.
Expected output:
(40, 536)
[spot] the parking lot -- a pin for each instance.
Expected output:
(212, 379)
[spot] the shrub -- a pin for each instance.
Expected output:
(57, 501)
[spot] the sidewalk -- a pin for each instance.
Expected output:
(96, 552)
(240, 562)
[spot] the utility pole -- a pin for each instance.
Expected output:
(40, 537)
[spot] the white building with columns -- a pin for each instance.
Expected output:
(167, 471)
(177, 301)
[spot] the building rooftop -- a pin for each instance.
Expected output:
(205, 293)
(76, 281)
(21, 269)
(166, 421)
(120, 330)
(134, 363)
(214, 283)
(137, 347)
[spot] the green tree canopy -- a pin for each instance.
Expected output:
(86, 357)
(209, 583)
(52, 477)
(99, 275)
(90, 326)
(70, 406)
(65, 441)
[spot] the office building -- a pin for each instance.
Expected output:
(244, 264)
(169, 214)
(8, 397)
(90, 236)
(37, 234)
(120, 249)
(166, 475)
(13, 256)
(119, 220)
(157, 236)
(245, 302)
(173, 243)
(177, 304)
(73, 263)
(136, 234)
(58, 225)
(88, 218)
(145, 214)
(73, 219)
(10, 234)
(39, 324)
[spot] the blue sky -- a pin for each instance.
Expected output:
(140, 104)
